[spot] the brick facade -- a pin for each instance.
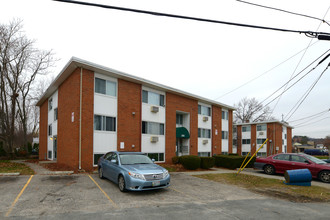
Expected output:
(43, 130)
(216, 126)
(129, 124)
(179, 103)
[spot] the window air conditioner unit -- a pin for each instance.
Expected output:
(205, 118)
(154, 139)
(205, 141)
(261, 133)
(154, 109)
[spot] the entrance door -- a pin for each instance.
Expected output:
(55, 147)
(179, 147)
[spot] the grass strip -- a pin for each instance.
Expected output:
(7, 166)
(272, 187)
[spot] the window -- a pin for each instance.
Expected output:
(204, 133)
(104, 123)
(55, 114)
(203, 110)
(234, 129)
(152, 98)
(260, 141)
(204, 154)
(225, 115)
(262, 154)
(299, 159)
(246, 128)
(224, 153)
(246, 141)
(244, 153)
(282, 157)
(156, 156)
(96, 158)
(284, 136)
(105, 87)
(261, 127)
(152, 128)
(179, 119)
(282, 142)
(49, 154)
(49, 130)
(224, 135)
(50, 104)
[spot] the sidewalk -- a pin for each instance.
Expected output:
(251, 171)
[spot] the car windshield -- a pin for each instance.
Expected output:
(314, 159)
(129, 159)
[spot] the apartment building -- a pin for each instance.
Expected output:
(90, 109)
(248, 137)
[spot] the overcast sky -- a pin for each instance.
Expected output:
(206, 59)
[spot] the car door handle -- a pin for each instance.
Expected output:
(293, 164)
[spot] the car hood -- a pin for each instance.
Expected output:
(144, 168)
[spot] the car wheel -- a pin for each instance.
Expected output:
(101, 173)
(269, 169)
(121, 184)
(324, 176)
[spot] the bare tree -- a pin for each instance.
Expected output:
(250, 110)
(20, 63)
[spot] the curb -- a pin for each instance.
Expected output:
(58, 173)
(9, 174)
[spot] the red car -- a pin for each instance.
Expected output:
(279, 163)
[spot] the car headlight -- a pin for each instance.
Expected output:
(165, 174)
(136, 175)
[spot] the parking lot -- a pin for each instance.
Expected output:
(86, 196)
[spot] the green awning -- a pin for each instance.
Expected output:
(182, 132)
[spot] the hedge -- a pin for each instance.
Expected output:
(232, 162)
(190, 162)
(175, 160)
(207, 162)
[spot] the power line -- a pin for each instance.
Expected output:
(295, 77)
(278, 100)
(264, 72)
(307, 33)
(290, 12)
(309, 91)
(311, 116)
(303, 125)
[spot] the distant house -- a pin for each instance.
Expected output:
(248, 137)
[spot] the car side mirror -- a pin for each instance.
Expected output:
(306, 161)
(153, 160)
(113, 161)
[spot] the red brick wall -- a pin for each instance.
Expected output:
(68, 131)
(178, 103)
(216, 125)
(87, 126)
(43, 130)
(289, 139)
(253, 138)
(230, 131)
(239, 139)
(129, 125)
(274, 133)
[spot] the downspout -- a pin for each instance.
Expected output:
(80, 110)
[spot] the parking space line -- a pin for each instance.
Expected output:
(19, 195)
(185, 194)
(114, 204)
